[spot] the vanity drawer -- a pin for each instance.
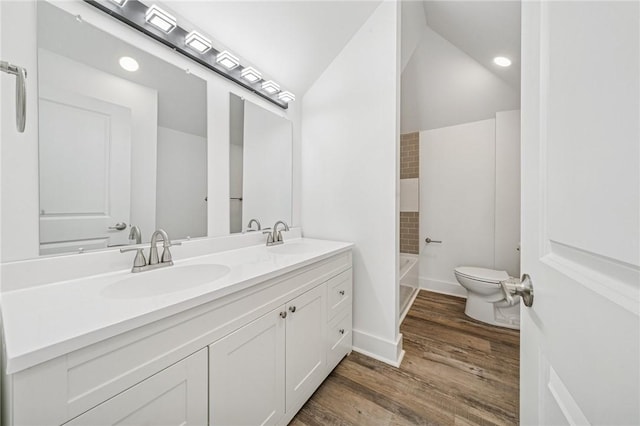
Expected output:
(339, 338)
(340, 293)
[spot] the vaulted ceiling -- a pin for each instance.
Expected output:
(291, 42)
(481, 29)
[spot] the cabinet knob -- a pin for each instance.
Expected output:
(292, 309)
(341, 292)
(341, 331)
(283, 314)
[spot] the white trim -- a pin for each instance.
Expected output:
(615, 281)
(443, 287)
(565, 401)
(413, 299)
(377, 348)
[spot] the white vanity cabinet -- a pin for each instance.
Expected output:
(265, 371)
(251, 356)
(174, 396)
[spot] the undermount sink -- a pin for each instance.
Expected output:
(292, 248)
(163, 281)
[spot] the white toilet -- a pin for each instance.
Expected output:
(485, 300)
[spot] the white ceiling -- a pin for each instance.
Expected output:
(291, 42)
(481, 29)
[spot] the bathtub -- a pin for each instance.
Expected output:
(408, 272)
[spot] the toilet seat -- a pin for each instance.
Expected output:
(490, 276)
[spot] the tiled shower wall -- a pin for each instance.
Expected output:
(409, 169)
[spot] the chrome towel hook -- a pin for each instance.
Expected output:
(21, 92)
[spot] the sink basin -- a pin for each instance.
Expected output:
(165, 280)
(292, 248)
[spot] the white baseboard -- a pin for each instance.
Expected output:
(383, 350)
(443, 287)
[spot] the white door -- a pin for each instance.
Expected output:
(246, 374)
(306, 348)
(85, 171)
(580, 355)
(175, 396)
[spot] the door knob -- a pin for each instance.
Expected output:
(523, 289)
(120, 226)
(429, 241)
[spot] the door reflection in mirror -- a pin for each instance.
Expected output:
(115, 146)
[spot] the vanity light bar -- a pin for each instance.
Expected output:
(251, 74)
(286, 96)
(270, 87)
(198, 42)
(193, 45)
(227, 60)
(160, 19)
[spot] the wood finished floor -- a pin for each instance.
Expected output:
(456, 371)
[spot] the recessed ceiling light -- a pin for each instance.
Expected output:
(197, 42)
(129, 64)
(270, 87)
(227, 60)
(160, 19)
(119, 2)
(502, 61)
(286, 96)
(251, 74)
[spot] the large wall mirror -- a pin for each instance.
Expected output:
(260, 154)
(122, 142)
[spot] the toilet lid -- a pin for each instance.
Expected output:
(482, 274)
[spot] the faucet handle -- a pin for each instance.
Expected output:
(139, 260)
(269, 235)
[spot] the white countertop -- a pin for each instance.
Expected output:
(44, 322)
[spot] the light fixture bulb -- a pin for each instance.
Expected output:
(129, 64)
(502, 61)
(251, 74)
(270, 87)
(197, 42)
(227, 60)
(286, 96)
(160, 19)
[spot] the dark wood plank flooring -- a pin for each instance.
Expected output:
(456, 371)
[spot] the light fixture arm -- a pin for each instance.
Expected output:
(138, 16)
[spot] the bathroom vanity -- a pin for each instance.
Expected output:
(241, 336)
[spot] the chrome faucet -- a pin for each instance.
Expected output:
(140, 263)
(275, 236)
(257, 222)
(135, 234)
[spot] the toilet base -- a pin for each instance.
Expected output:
(494, 313)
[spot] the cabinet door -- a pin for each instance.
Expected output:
(176, 395)
(246, 371)
(306, 349)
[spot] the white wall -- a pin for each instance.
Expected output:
(181, 184)
(470, 199)
(235, 206)
(457, 202)
(266, 193)
(66, 74)
(442, 86)
(350, 173)
(19, 151)
(413, 23)
(507, 236)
